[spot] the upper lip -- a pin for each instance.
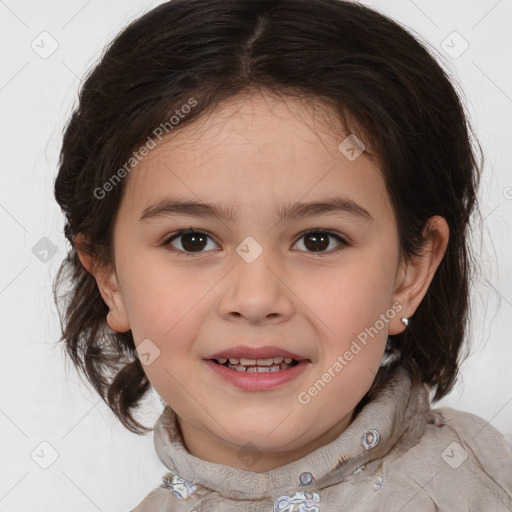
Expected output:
(255, 352)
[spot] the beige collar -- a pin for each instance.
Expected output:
(395, 418)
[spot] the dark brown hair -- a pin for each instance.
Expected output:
(380, 82)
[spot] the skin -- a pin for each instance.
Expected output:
(256, 153)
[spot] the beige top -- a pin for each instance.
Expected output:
(396, 455)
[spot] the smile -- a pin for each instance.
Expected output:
(257, 377)
(269, 364)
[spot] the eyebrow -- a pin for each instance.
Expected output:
(291, 211)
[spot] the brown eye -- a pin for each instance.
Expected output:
(189, 241)
(318, 240)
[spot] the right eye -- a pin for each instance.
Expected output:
(192, 242)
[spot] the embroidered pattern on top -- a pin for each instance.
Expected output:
(180, 487)
(299, 502)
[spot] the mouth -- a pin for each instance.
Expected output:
(257, 368)
(269, 364)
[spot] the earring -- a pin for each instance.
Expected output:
(405, 321)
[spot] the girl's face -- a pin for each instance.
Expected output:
(253, 283)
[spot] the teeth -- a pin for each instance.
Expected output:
(252, 362)
(265, 362)
(245, 364)
(253, 368)
(260, 369)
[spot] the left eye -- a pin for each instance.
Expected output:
(319, 240)
(194, 242)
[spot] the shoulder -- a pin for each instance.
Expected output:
(462, 462)
(154, 501)
(160, 500)
(474, 439)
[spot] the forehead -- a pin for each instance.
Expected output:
(256, 152)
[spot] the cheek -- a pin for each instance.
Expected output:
(163, 304)
(352, 312)
(347, 299)
(165, 308)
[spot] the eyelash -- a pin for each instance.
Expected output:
(314, 231)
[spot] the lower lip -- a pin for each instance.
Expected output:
(257, 381)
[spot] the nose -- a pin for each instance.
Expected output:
(257, 291)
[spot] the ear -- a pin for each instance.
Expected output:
(414, 277)
(107, 282)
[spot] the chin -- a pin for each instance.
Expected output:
(272, 436)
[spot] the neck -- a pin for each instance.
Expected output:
(209, 447)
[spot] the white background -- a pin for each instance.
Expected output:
(100, 465)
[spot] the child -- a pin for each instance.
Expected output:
(280, 187)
